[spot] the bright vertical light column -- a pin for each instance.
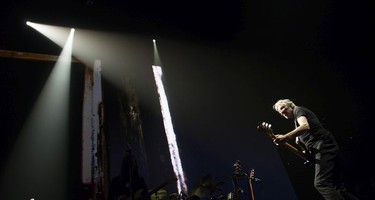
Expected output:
(38, 164)
(168, 126)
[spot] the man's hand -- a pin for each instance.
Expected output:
(280, 139)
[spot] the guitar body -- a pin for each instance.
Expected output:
(304, 154)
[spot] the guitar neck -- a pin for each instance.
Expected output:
(295, 151)
(266, 128)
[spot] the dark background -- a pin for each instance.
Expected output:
(224, 64)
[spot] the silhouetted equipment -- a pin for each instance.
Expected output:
(206, 187)
(239, 174)
(158, 192)
(251, 180)
(159, 195)
(236, 174)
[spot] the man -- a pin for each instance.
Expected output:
(311, 135)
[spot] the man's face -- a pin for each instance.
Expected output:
(285, 111)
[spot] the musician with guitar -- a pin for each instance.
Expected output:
(311, 134)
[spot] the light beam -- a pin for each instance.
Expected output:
(171, 136)
(37, 165)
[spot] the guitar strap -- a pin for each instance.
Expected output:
(299, 142)
(297, 138)
(295, 123)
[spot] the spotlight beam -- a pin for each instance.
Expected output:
(171, 136)
(37, 166)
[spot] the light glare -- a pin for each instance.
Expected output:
(168, 126)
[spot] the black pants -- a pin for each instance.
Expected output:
(328, 180)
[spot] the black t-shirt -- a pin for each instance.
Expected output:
(312, 139)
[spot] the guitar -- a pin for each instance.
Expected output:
(239, 173)
(251, 179)
(304, 154)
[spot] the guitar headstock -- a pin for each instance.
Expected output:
(266, 128)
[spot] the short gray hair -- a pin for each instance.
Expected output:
(286, 102)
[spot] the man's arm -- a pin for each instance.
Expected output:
(302, 128)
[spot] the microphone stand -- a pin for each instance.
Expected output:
(237, 173)
(129, 151)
